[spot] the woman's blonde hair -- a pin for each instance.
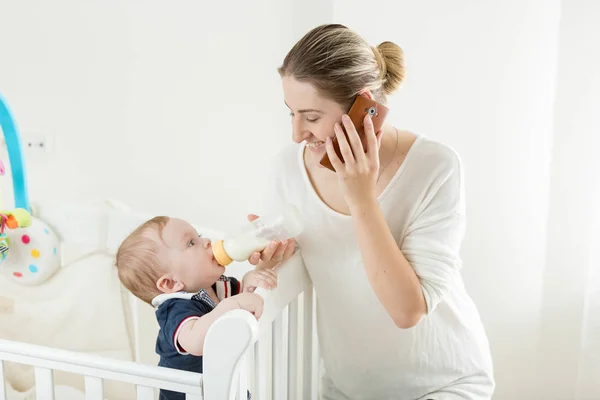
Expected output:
(339, 63)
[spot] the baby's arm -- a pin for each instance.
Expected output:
(192, 334)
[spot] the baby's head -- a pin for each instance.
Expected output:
(166, 255)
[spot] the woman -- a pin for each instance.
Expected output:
(382, 235)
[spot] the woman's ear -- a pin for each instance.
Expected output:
(366, 93)
(166, 284)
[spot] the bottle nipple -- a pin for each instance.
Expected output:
(220, 254)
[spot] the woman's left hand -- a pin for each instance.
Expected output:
(275, 253)
(358, 174)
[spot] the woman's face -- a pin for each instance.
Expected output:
(313, 116)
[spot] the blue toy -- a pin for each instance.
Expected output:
(29, 249)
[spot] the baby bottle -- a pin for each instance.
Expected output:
(256, 235)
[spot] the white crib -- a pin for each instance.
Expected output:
(274, 358)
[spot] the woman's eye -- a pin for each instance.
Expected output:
(312, 119)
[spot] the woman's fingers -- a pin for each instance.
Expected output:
(355, 142)
(278, 254)
(372, 142)
(345, 148)
(254, 258)
(289, 250)
(267, 253)
(333, 157)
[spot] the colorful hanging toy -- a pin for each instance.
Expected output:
(29, 249)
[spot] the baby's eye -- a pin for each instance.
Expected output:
(192, 242)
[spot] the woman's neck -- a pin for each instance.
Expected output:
(389, 144)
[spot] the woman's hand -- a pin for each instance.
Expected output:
(358, 174)
(275, 253)
(264, 278)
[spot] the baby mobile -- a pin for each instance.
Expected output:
(29, 249)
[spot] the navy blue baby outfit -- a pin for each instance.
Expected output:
(173, 310)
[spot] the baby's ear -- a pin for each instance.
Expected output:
(166, 284)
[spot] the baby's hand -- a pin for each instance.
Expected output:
(264, 278)
(250, 302)
(275, 253)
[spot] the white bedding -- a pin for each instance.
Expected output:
(78, 309)
(81, 307)
(60, 393)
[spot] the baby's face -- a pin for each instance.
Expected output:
(190, 259)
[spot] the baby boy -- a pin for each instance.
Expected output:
(165, 263)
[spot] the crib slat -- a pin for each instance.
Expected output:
(307, 345)
(292, 347)
(94, 388)
(259, 381)
(243, 380)
(250, 373)
(145, 393)
(2, 385)
(316, 356)
(44, 384)
(263, 366)
(256, 371)
(279, 369)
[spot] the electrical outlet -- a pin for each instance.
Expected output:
(37, 144)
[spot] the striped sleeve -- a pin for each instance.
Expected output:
(226, 287)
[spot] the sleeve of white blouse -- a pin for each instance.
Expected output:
(433, 239)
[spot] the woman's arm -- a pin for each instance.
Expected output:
(391, 276)
(412, 277)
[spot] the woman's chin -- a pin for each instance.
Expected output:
(315, 154)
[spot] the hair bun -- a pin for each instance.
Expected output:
(390, 58)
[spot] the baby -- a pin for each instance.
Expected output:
(165, 263)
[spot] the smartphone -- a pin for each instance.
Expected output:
(362, 107)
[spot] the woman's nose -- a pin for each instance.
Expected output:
(299, 133)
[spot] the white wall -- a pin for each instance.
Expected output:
(159, 104)
(139, 94)
(570, 345)
(481, 78)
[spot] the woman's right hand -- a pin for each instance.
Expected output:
(251, 302)
(275, 254)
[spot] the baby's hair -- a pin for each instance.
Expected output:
(137, 261)
(339, 64)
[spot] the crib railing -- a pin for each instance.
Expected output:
(95, 369)
(274, 358)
